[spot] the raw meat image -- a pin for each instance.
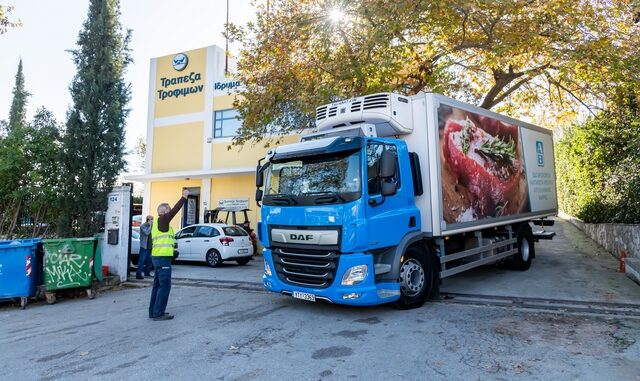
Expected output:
(482, 169)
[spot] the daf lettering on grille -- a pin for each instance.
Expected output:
(301, 237)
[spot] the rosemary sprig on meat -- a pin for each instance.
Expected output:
(498, 149)
(465, 136)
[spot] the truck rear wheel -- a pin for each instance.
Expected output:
(417, 278)
(522, 260)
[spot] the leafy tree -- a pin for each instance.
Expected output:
(93, 145)
(5, 23)
(516, 56)
(139, 154)
(43, 186)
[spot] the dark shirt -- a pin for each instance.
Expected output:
(164, 220)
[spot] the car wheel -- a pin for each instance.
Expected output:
(213, 258)
(243, 261)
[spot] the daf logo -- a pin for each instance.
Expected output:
(300, 237)
(180, 61)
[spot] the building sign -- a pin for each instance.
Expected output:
(226, 86)
(241, 203)
(180, 61)
(180, 86)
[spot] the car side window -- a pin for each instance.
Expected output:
(374, 152)
(214, 232)
(204, 231)
(186, 232)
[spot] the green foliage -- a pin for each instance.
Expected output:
(93, 145)
(5, 23)
(598, 168)
(18, 110)
(517, 56)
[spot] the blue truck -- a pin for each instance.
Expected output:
(391, 194)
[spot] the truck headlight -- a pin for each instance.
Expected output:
(355, 275)
(267, 269)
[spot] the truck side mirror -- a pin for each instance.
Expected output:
(388, 188)
(259, 176)
(387, 164)
(258, 196)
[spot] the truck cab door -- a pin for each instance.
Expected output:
(388, 218)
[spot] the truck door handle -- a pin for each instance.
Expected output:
(187, 241)
(206, 240)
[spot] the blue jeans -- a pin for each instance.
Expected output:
(161, 286)
(144, 262)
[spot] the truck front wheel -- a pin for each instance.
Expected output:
(416, 279)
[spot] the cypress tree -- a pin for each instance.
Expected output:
(93, 144)
(13, 162)
(18, 110)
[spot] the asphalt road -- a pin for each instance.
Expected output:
(227, 328)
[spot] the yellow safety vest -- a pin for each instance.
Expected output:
(162, 242)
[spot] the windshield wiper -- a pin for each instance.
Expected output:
(282, 198)
(326, 193)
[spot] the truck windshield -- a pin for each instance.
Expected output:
(319, 177)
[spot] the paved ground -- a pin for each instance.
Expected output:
(226, 328)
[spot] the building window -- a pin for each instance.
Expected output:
(226, 123)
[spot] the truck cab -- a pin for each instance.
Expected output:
(331, 207)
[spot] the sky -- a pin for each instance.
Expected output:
(50, 28)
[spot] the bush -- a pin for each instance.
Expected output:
(598, 168)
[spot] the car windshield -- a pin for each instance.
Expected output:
(234, 231)
(336, 174)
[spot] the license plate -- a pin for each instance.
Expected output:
(243, 251)
(304, 296)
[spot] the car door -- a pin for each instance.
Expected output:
(201, 242)
(184, 238)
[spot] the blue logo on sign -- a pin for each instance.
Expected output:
(180, 61)
(540, 153)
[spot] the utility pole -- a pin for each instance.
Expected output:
(226, 49)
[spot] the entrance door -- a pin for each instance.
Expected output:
(191, 209)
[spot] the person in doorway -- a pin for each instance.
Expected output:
(144, 259)
(162, 244)
(252, 235)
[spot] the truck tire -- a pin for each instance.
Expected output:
(526, 250)
(417, 278)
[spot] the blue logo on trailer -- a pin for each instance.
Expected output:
(540, 153)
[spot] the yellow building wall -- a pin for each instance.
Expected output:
(169, 192)
(165, 105)
(241, 186)
(177, 147)
(243, 156)
(223, 102)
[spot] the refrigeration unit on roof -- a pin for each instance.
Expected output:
(390, 113)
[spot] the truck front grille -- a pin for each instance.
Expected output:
(309, 268)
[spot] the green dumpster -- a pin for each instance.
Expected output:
(71, 263)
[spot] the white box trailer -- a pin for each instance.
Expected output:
(479, 169)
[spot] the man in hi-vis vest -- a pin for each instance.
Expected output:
(162, 242)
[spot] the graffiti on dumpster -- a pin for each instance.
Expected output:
(67, 270)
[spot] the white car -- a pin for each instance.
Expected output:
(214, 244)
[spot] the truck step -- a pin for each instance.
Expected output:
(543, 234)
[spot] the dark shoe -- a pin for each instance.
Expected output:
(151, 317)
(148, 275)
(139, 277)
(163, 317)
